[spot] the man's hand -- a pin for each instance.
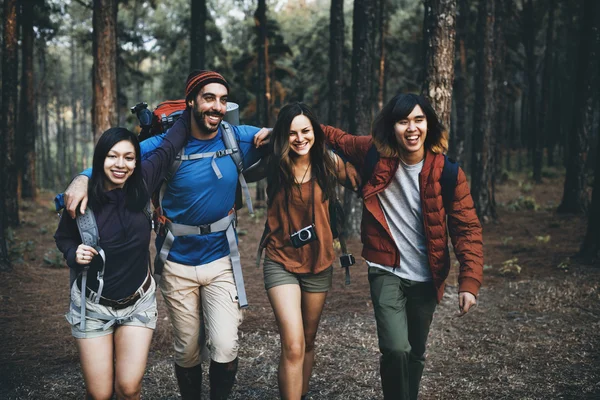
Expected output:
(352, 176)
(262, 137)
(466, 300)
(76, 193)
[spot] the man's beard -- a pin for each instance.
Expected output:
(199, 116)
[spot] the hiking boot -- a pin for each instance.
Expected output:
(189, 381)
(222, 378)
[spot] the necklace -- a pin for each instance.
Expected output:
(303, 176)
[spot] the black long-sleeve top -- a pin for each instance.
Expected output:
(124, 234)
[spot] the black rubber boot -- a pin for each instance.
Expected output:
(222, 378)
(189, 381)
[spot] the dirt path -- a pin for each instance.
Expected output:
(534, 335)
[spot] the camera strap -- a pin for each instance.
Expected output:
(311, 204)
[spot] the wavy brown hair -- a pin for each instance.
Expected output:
(280, 174)
(399, 108)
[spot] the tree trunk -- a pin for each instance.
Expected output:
(8, 154)
(590, 248)
(483, 114)
(197, 34)
(262, 90)
(461, 85)
(382, 22)
(5, 264)
(74, 115)
(361, 98)
(438, 35)
(26, 149)
(534, 130)
(574, 197)
(499, 138)
(546, 95)
(88, 135)
(104, 99)
(336, 62)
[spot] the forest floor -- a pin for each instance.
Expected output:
(534, 335)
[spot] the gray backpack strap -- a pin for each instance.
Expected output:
(88, 230)
(226, 224)
(236, 156)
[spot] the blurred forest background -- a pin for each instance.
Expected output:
(515, 81)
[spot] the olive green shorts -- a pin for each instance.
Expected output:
(276, 275)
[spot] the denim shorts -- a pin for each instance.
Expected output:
(275, 275)
(142, 313)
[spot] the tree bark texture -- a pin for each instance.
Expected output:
(439, 34)
(27, 134)
(8, 150)
(499, 138)
(361, 98)
(461, 85)
(382, 26)
(534, 129)
(336, 62)
(547, 85)
(483, 114)
(575, 196)
(262, 89)
(590, 249)
(197, 34)
(104, 99)
(74, 115)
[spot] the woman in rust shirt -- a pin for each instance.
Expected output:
(299, 255)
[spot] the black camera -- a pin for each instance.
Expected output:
(347, 260)
(304, 236)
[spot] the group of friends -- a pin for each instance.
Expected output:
(405, 228)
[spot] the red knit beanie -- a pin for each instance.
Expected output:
(199, 78)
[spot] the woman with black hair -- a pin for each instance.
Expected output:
(114, 327)
(301, 181)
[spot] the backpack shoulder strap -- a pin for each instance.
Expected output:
(232, 144)
(448, 181)
(88, 229)
(371, 160)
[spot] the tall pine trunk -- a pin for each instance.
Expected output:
(197, 34)
(104, 99)
(545, 114)
(8, 150)
(262, 89)
(74, 114)
(461, 85)
(336, 62)
(483, 114)
(27, 109)
(575, 196)
(439, 34)
(361, 98)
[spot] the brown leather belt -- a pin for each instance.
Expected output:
(122, 303)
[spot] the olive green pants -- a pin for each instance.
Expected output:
(403, 312)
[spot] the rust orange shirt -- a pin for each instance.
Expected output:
(313, 257)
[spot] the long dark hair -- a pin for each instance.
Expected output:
(136, 193)
(399, 107)
(280, 174)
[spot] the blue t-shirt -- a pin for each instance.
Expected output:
(196, 196)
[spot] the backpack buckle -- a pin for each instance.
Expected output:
(221, 153)
(204, 229)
